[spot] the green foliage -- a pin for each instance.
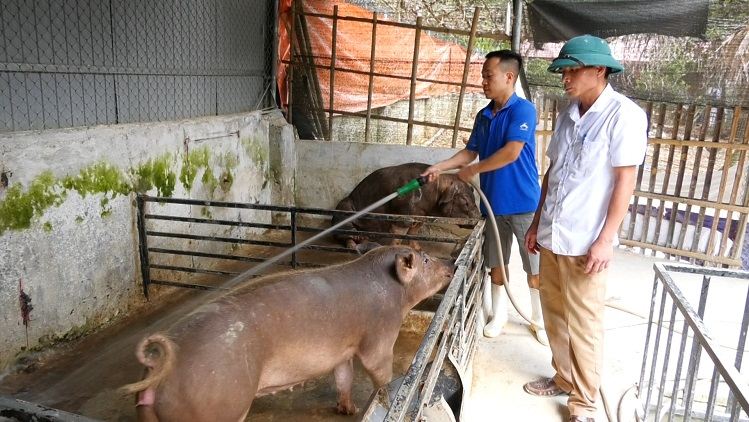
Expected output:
(665, 77)
(535, 71)
(485, 45)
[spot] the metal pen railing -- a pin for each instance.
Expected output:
(451, 334)
(668, 388)
(293, 225)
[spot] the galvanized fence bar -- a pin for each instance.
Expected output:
(406, 396)
(143, 244)
(178, 230)
(723, 373)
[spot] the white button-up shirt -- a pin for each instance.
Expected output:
(584, 151)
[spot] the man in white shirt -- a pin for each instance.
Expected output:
(599, 141)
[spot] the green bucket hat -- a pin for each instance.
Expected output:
(585, 50)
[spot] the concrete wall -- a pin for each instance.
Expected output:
(67, 214)
(328, 171)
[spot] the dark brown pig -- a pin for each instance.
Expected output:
(282, 330)
(448, 196)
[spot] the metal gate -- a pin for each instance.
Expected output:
(675, 380)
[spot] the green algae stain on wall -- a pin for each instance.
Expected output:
(156, 172)
(229, 162)
(98, 178)
(256, 152)
(18, 208)
(191, 164)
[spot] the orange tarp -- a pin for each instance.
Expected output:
(439, 60)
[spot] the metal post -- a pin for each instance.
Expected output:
(731, 402)
(516, 35)
(694, 359)
(143, 244)
(293, 238)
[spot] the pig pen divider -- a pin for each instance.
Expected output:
(179, 249)
(452, 333)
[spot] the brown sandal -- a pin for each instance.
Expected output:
(543, 387)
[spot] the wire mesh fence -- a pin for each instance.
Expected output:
(89, 62)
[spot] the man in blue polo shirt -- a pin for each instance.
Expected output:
(503, 138)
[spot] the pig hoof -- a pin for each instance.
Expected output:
(346, 408)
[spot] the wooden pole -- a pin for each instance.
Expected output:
(666, 182)
(367, 136)
(414, 70)
(466, 70)
(331, 89)
(290, 74)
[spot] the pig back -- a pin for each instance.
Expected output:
(384, 181)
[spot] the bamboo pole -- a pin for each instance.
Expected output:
(466, 69)
(683, 153)
(741, 230)
(678, 252)
(392, 76)
(290, 73)
(412, 94)
(695, 178)
(499, 36)
(708, 179)
(651, 183)
(331, 89)
(397, 120)
(367, 137)
(692, 201)
(666, 179)
(737, 183)
(722, 188)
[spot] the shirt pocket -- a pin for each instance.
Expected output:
(588, 154)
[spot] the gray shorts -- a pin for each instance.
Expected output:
(507, 225)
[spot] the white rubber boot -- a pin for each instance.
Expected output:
(537, 325)
(499, 312)
(486, 303)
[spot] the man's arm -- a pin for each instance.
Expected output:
(531, 236)
(460, 159)
(502, 157)
(601, 251)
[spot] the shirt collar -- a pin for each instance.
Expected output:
(598, 105)
(488, 109)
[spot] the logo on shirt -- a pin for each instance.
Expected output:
(524, 126)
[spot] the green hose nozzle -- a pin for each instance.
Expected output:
(412, 185)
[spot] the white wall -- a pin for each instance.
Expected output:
(327, 171)
(77, 258)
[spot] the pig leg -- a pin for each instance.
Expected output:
(344, 379)
(376, 357)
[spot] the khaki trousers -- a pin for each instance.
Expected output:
(573, 307)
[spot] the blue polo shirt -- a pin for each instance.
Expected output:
(514, 188)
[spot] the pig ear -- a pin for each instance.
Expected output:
(405, 267)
